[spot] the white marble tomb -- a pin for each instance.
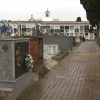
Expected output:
(49, 51)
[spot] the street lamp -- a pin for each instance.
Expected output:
(36, 25)
(32, 19)
(19, 32)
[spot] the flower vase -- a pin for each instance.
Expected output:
(5, 36)
(0, 35)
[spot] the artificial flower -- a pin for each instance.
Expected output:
(28, 62)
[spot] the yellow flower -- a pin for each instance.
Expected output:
(30, 57)
(0, 24)
(31, 61)
(6, 25)
(26, 59)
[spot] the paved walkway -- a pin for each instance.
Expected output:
(76, 77)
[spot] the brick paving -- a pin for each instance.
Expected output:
(76, 77)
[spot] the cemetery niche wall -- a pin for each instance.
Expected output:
(13, 76)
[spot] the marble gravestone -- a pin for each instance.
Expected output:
(13, 77)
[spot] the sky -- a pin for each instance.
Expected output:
(64, 10)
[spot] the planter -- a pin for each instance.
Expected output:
(3, 36)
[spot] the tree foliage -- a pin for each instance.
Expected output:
(92, 8)
(78, 19)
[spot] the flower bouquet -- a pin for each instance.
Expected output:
(28, 64)
(5, 28)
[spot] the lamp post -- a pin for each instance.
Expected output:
(35, 31)
(36, 24)
(34, 21)
(19, 32)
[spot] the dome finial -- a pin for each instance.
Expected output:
(31, 16)
(47, 13)
(47, 16)
(31, 19)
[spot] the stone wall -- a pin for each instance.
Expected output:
(65, 43)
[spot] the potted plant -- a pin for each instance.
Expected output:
(5, 28)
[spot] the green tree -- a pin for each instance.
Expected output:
(92, 8)
(78, 19)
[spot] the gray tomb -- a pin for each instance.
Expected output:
(13, 78)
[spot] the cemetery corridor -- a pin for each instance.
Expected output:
(76, 77)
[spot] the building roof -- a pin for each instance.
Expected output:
(55, 19)
(15, 22)
(48, 20)
(38, 19)
(52, 22)
(66, 22)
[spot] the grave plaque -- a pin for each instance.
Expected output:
(22, 49)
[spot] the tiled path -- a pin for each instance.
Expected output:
(76, 77)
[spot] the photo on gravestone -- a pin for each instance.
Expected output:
(21, 49)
